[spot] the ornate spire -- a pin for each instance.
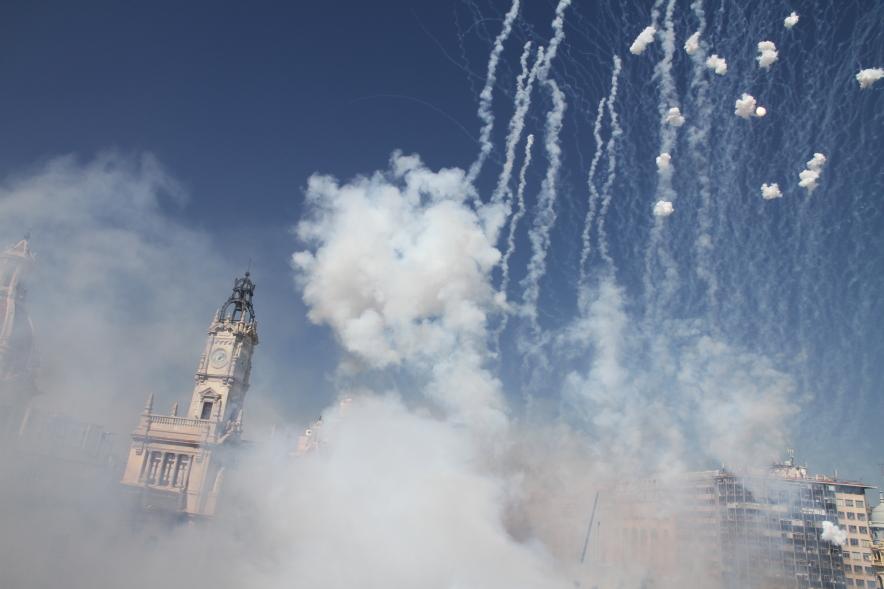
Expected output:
(238, 306)
(148, 407)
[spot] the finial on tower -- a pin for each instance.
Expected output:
(238, 306)
(148, 407)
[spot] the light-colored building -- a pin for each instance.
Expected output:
(859, 570)
(718, 529)
(17, 350)
(876, 526)
(176, 463)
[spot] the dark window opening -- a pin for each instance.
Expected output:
(207, 410)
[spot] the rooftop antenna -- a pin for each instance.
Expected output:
(595, 503)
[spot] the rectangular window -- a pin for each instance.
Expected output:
(153, 465)
(867, 556)
(207, 413)
(851, 515)
(848, 502)
(854, 542)
(861, 517)
(841, 515)
(840, 502)
(859, 503)
(180, 478)
(863, 530)
(851, 529)
(168, 464)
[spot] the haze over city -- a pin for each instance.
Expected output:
(517, 267)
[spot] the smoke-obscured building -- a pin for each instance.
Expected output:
(17, 350)
(876, 526)
(720, 529)
(176, 463)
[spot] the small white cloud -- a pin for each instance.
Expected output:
(745, 106)
(663, 161)
(674, 117)
(663, 208)
(767, 54)
(869, 76)
(692, 45)
(833, 534)
(645, 38)
(808, 179)
(760, 111)
(717, 63)
(816, 162)
(771, 191)
(791, 20)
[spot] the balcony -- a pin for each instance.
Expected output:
(176, 429)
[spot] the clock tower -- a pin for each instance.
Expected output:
(222, 377)
(177, 463)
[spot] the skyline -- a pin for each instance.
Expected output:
(540, 245)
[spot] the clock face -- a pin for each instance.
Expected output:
(218, 358)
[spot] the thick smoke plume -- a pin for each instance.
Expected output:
(832, 533)
(869, 76)
(645, 38)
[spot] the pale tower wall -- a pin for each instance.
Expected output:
(177, 463)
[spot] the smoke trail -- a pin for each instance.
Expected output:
(485, 113)
(594, 196)
(698, 141)
(658, 249)
(539, 235)
(522, 101)
(511, 238)
(616, 133)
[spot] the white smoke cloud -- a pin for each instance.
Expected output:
(718, 64)
(771, 191)
(746, 107)
(833, 534)
(663, 162)
(791, 20)
(674, 117)
(390, 482)
(398, 265)
(869, 76)
(809, 177)
(767, 54)
(114, 255)
(663, 208)
(692, 45)
(645, 38)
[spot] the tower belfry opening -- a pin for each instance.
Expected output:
(177, 463)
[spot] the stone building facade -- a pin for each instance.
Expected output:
(176, 463)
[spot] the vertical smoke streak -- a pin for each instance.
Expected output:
(511, 237)
(522, 102)
(658, 249)
(616, 133)
(539, 235)
(594, 196)
(698, 137)
(605, 196)
(485, 114)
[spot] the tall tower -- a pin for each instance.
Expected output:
(17, 354)
(177, 462)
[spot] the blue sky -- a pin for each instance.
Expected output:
(242, 103)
